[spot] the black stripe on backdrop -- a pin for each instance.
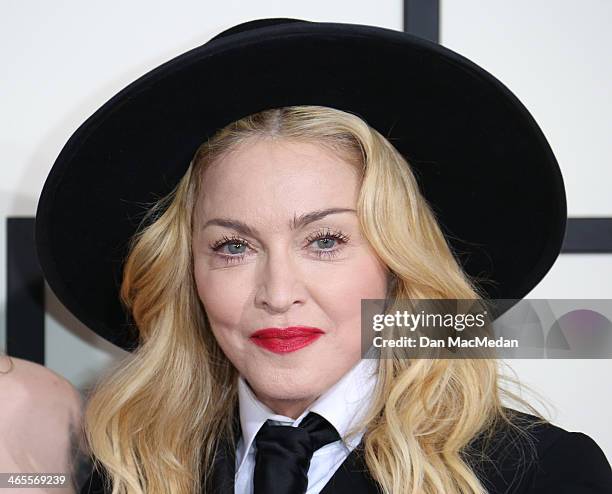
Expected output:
(25, 312)
(422, 18)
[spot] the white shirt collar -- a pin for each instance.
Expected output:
(342, 405)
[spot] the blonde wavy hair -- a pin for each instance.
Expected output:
(155, 421)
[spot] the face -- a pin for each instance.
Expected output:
(267, 256)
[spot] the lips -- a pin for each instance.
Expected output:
(284, 340)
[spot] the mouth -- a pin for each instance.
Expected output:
(285, 340)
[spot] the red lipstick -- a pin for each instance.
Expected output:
(284, 340)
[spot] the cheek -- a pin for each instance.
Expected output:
(365, 278)
(223, 295)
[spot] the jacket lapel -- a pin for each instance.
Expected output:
(352, 477)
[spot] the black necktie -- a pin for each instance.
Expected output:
(284, 453)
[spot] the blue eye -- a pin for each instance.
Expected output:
(329, 240)
(324, 239)
(234, 245)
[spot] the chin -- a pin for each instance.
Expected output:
(280, 388)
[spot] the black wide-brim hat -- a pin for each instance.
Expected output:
(481, 160)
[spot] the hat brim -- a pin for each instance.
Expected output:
(480, 158)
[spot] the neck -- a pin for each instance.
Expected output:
(288, 408)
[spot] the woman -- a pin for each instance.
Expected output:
(243, 284)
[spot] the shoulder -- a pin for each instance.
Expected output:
(40, 417)
(544, 458)
(574, 459)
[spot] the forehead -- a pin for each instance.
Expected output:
(266, 177)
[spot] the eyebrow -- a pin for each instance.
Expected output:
(297, 222)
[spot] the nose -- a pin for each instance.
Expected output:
(280, 283)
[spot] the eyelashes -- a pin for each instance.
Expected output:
(337, 236)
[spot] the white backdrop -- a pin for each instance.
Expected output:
(64, 59)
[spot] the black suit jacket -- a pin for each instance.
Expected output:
(563, 462)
